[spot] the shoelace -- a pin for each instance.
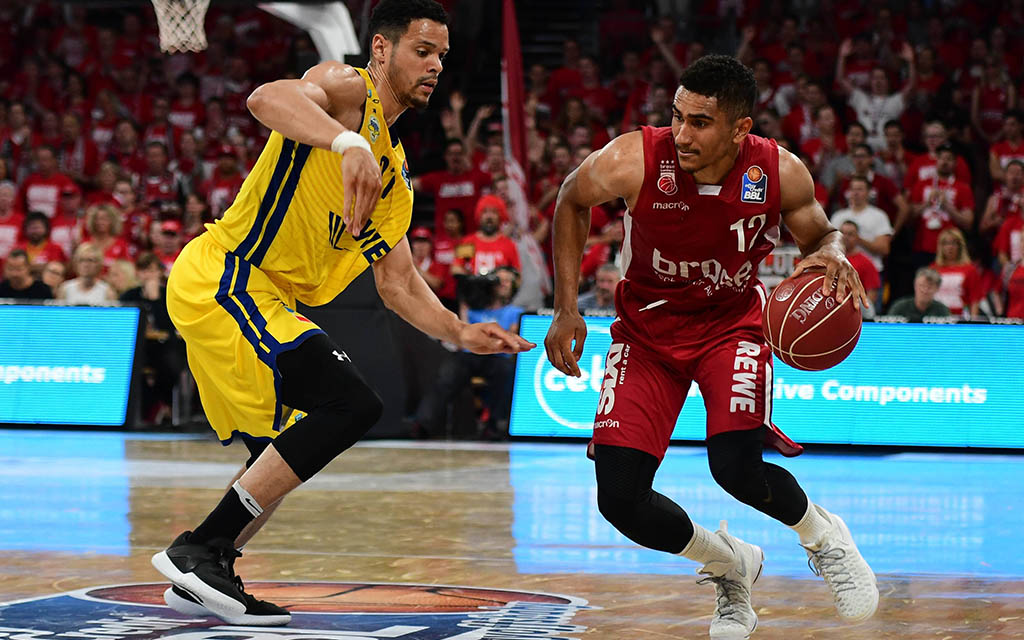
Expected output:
(829, 562)
(729, 592)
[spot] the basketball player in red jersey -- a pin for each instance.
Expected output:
(705, 201)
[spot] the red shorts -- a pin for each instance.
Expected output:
(656, 353)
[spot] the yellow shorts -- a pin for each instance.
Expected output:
(235, 323)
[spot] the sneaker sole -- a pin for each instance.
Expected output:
(189, 608)
(224, 607)
(183, 606)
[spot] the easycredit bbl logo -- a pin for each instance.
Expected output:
(544, 393)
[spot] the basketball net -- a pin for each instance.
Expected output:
(181, 24)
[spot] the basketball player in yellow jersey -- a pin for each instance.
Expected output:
(329, 196)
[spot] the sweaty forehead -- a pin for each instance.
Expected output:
(687, 102)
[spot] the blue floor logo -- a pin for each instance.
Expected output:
(330, 610)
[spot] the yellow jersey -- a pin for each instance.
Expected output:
(287, 217)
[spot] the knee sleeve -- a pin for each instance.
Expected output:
(737, 466)
(319, 379)
(628, 502)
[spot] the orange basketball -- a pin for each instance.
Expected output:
(807, 329)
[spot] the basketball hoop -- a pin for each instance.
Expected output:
(181, 24)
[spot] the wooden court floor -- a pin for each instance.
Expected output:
(84, 510)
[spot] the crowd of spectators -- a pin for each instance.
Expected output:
(114, 155)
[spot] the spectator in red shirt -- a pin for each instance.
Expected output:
(991, 99)
(222, 187)
(566, 77)
(103, 120)
(41, 190)
(237, 87)
(167, 243)
(1011, 147)
(135, 217)
(159, 184)
(103, 226)
(923, 166)
(159, 128)
(458, 186)
(1005, 207)
(124, 150)
(944, 201)
(599, 100)
(17, 139)
(187, 112)
(895, 159)
(882, 192)
(11, 219)
(929, 81)
(37, 243)
(798, 125)
(77, 155)
(869, 276)
(488, 248)
(421, 241)
(961, 288)
(828, 144)
(66, 226)
(195, 217)
(106, 178)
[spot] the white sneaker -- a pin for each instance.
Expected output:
(836, 559)
(734, 618)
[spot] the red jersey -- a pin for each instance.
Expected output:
(1015, 293)
(923, 168)
(992, 104)
(699, 246)
(453, 191)
(488, 255)
(41, 254)
(961, 286)
(186, 116)
(220, 191)
(933, 217)
(869, 276)
(1006, 152)
(40, 193)
(162, 188)
(10, 231)
(1008, 239)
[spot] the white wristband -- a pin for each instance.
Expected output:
(348, 139)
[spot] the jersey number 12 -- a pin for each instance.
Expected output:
(756, 221)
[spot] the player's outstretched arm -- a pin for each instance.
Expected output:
(404, 291)
(616, 171)
(820, 243)
(310, 110)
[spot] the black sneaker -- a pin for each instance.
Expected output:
(204, 575)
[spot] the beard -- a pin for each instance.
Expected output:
(489, 228)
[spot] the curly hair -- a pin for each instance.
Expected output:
(391, 18)
(727, 80)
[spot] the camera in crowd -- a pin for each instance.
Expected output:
(479, 291)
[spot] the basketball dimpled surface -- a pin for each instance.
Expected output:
(807, 329)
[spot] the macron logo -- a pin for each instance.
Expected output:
(682, 206)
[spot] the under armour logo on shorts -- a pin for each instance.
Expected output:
(342, 356)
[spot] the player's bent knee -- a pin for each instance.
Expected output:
(742, 479)
(617, 510)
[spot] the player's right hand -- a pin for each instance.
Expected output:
(564, 342)
(360, 178)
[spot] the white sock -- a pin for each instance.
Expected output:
(813, 526)
(706, 547)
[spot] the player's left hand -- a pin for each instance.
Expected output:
(489, 337)
(839, 275)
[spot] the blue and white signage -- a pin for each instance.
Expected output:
(66, 365)
(904, 384)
